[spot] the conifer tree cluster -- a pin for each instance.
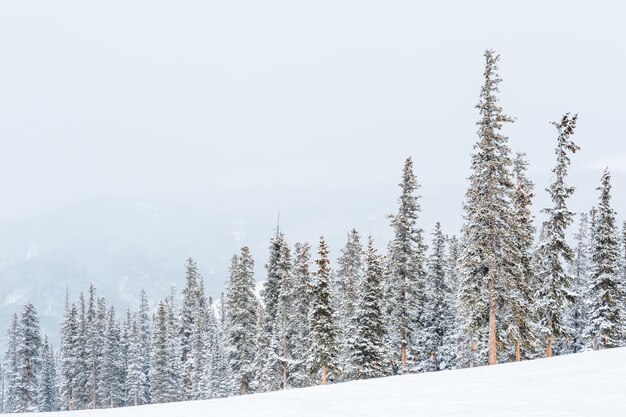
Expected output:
(496, 293)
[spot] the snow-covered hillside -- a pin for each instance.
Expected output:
(584, 384)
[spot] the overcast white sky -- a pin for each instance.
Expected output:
(265, 105)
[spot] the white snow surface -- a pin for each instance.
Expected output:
(584, 384)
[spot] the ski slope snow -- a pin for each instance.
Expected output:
(580, 385)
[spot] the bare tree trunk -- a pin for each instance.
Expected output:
(285, 354)
(493, 358)
(93, 389)
(518, 355)
(323, 374)
(26, 368)
(549, 348)
(403, 349)
(243, 390)
(462, 354)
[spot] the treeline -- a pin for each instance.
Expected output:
(498, 292)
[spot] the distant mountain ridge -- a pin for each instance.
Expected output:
(120, 246)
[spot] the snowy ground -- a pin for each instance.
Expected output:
(585, 384)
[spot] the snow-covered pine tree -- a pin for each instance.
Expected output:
(47, 390)
(145, 333)
(94, 343)
(368, 357)
(28, 359)
(111, 372)
(13, 402)
(126, 329)
(606, 309)
(348, 279)
(176, 370)
(70, 360)
(277, 295)
(302, 282)
(2, 381)
(623, 277)
(164, 386)
(279, 299)
(554, 293)
(135, 377)
(285, 329)
(264, 375)
(405, 286)
(271, 286)
(189, 312)
(435, 326)
(197, 357)
(452, 350)
(220, 371)
(241, 304)
(207, 379)
(81, 393)
(519, 327)
(488, 209)
(581, 272)
(324, 349)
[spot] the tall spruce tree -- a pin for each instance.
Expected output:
(28, 359)
(70, 360)
(555, 293)
(241, 305)
(126, 327)
(277, 296)
(302, 300)
(279, 299)
(324, 349)
(145, 333)
(606, 295)
(488, 245)
(581, 273)
(164, 385)
(435, 325)
(189, 312)
(81, 390)
(520, 326)
(623, 277)
(13, 401)
(368, 356)
(452, 340)
(176, 370)
(47, 390)
(405, 286)
(135, 376)
(348, 279)
(263, 374)
(111, 372)
(94, 343)
(209, 372)
(198, 357)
